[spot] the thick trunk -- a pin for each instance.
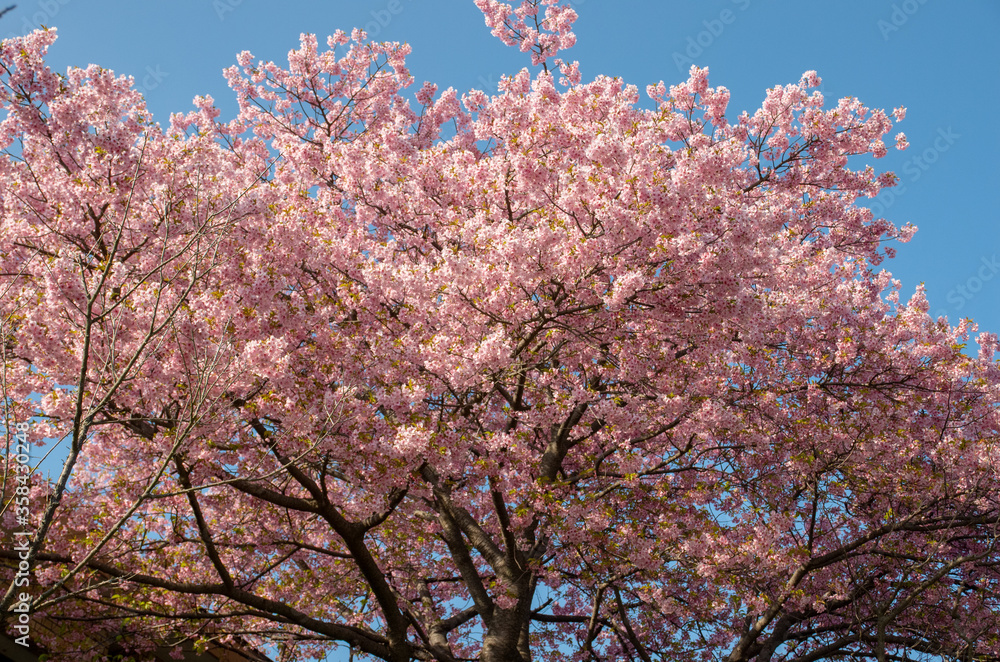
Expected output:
(501, 642)
(507, 638)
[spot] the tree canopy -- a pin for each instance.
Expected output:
(550, 373)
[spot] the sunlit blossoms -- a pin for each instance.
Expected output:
(557, 371)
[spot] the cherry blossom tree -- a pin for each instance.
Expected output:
(551, 373)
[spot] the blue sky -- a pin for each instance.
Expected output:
(939, 59)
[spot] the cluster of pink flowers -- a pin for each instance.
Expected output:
(448, 375)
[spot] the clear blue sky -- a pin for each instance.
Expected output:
(940, 59)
